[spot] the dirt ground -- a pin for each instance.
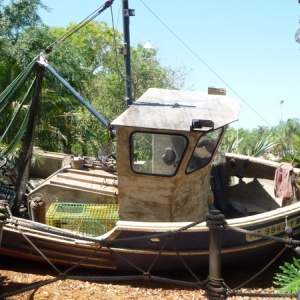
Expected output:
(17, 274)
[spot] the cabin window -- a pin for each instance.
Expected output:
(204, 150)
(159, 154)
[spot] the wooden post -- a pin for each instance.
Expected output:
(215, 288)
(2, 217)
(215, 250)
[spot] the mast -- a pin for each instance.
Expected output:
(126, 50)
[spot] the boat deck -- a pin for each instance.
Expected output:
(91, 184)
(88, 179)
(253, 195)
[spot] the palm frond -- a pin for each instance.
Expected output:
(264, 145)
(231, 148)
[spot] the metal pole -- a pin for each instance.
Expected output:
(126, 15)
(281, 110)
(81, 99)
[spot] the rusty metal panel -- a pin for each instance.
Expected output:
(175, 110)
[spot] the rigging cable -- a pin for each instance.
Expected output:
(115, 44)
(199, 58)
(77, 27)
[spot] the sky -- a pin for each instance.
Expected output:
(247, 47)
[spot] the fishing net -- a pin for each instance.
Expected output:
(20, 128)
(17, 124)
(106, 149)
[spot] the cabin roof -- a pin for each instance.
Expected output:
(175, 110)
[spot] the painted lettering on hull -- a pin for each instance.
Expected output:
(273, 229)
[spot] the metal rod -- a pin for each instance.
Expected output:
(81, 99)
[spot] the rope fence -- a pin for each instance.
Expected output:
(215, 288)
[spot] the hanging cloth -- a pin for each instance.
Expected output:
(282, 181)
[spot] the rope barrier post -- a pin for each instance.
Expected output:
(215, 283)
(215, 250)
(3, 217)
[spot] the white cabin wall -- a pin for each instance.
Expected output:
(141, 197)
(148, 198)
(191, 196)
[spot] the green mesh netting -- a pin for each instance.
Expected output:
(22, 128)
(7, 97)
(22, 125)
(9, 94)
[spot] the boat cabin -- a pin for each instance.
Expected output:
(166, 142)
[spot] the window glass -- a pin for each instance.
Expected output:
(153, 153)
(204, 150)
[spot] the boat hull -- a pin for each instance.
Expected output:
(138, 245)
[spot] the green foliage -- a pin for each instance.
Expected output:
(107, 89)
(289, 279)
(264, 145)
(147, 72)
(19, 15)
(142, 145)
(230, 144)
(88, 61)
(282, 141)
(37, 154)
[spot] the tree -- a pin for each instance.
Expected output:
(107, 90)
(15, 17)
(88, 60)
(18, 16)
(147, 72)
(253, 143)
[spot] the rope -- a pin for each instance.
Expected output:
(115, 46)
(197, 284)
(215, 287)
(29, 241)
(216, 220)
(77, 27)
(184, 263)
(159, 254)
(262, 295)
(28, 288)
(103, 242)
(262, 270)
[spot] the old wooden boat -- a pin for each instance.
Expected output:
(146, 206)
(127, 213)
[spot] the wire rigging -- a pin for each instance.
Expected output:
(77, 27)
(115, 44)
(199, 58)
